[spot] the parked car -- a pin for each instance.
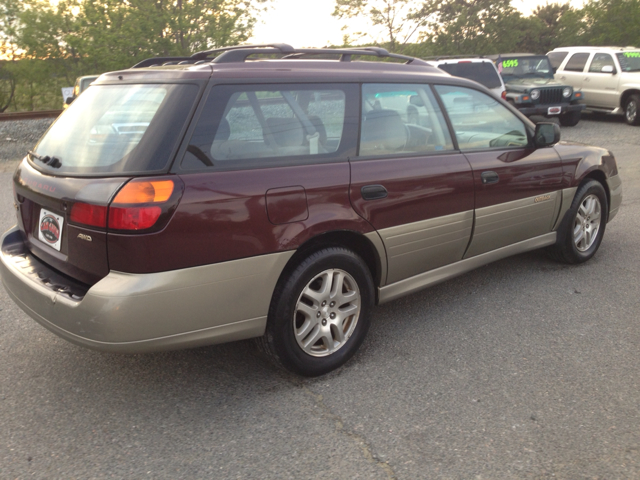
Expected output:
(532, 89)
(478, 69)
(82, 83)
(233, 196)
(608, 76)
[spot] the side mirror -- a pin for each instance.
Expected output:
(547, 134)
(69, 100)
(609, 69)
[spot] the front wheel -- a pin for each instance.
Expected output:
(319, 314)
(582, 228)
(631, 110)
(570, 119)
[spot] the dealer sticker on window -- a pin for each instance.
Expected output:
(50, 228)
(554, 110)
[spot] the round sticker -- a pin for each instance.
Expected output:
(50, 229)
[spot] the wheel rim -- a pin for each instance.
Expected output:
(587, 223)
(632, 111)
(327, 312)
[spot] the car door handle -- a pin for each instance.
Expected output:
(489, 177)
(563, 78)
(373, 192)
(587, 79)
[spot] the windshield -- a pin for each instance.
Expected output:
(481, 72)
(525, 67)
(120, 129)
(629, 61)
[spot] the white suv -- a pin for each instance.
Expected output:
(608, 76)
(481, 70)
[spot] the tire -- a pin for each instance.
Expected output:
(632, 110)
(570, 119)
(583, 226)
(311, 328)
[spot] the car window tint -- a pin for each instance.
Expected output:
(481, 72)
(480, 121)
(556, 58)
(262, 125)
(601, 60)
(577, 62)
(401, 119)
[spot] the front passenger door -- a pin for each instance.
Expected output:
(517, 187)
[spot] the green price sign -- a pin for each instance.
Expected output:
(632, 54)
(510, 63)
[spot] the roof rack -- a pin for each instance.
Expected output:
(452, 57)
(240, 53)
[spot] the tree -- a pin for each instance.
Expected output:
(398, 19)
(612, 22)
(472, 26)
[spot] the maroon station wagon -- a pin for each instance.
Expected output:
(279, 193)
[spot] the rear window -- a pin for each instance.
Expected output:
(556, 58)
(118, 129)
(576, 62)
(482, 72)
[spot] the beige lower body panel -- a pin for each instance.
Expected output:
(425, 245)
(424, 280)
(143, 312)
(507, 223)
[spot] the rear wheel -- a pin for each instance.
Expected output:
(570, 119)
(631, 110)
(582, 228)
(319, 313)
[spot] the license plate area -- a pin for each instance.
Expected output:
(554, 110)
(50, 227)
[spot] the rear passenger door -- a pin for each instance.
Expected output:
(516, 186)
(409, 182)
(265, 168)
(573, 72)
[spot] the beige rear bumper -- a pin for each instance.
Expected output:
(146, 312)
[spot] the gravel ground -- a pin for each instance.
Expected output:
(16, 137)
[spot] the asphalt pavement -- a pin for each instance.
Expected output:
(525, 368)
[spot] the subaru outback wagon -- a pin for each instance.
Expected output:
(224, 196)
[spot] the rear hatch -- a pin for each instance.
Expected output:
(112, 138)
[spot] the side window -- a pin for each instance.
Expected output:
(401, 119)
(480, 121)
(576, 62)
(256, 126)
(601, 60)
(556, 58)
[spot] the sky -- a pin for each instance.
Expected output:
(308, 23)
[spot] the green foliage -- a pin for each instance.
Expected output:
(84, 37)
(398, 19)
(612, 22)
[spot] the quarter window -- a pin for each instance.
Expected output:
(576, 62)
(401, 119)
(556, 58)
(268, 125)
(480, 121)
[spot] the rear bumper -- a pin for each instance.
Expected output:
(144, 312)
(543, 109)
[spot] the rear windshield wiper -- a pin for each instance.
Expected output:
(53, 162)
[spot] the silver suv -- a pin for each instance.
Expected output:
(481, 70)
(608, 76)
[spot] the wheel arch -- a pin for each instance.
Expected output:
(600, 177)
(369, 247)
(626, 94)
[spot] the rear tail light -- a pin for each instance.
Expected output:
(144, 204)
(140, 205)
(504, 95)
(87, 214)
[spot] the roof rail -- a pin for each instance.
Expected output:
(452, 57)
(240, 53)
